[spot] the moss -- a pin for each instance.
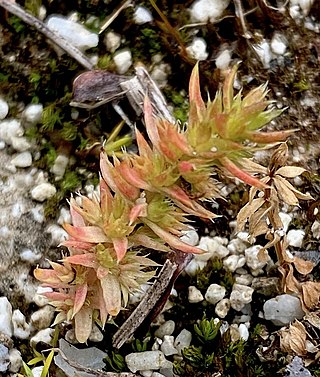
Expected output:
(71, 182)
(69, 131)
(51, 116)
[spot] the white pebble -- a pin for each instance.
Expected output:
(315, 229)
(42, 318)
(194, 266)
(20, 144)
(263, 50)
(208, 10)
(64, 216)
(33, 113)
(29, 256)
(142, 15)
(286, 220)
(21, 329)
(39, 299)
(22, 160)
(58, 234)
(222, 308)
(44, 335)
(123, 60)
(167, 347)
(194, 295)
(59, 166)
(236, 246)
(240, 296)
(214, 246)
(75, 33)
(15, 360)
(166, 328)
(198, 49)
(215, 293)
(190, 237)
(6, 326)
(223, 59)
(243, 332)
(278, 44)
(232, 262)
(295, 237)
(183, 340)
(252, 259)
(96, 335)
(112, 41)
(148, 360)
(37, 371)
(4, 108)
(244, 279)
(43, 191)
(10, 128)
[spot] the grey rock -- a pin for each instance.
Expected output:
(166, 328)
(4, 358)
(90, 357)
(183, 340)
(296, 368)
(283, 309)
(148, 360)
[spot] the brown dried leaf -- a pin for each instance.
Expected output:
(263, 255)
(285, 192)
(296, 192)
(257, 222)
(304, 267)
(311, 294)
(293, 340)
(313, 318)
(291, 283)
(247, 211)
(290, 171)
(252, 167)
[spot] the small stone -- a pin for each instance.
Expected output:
(146, 373)
(167, 347)
(58, 234)
(278, 44)
(223, 59)
(75, 33)
(112, 41)
(4, 358)
(315, 229)
(243, 332)
(96, 335)
(20, 144)
(166, 328)
(21, 329)
(29, 256)
(240, 296)
(59, 166)
(43, 191)
(295, 237)
(214, 246)
(183, 340)
(44, 336)
(283, 309)
(42, 318)
(123, 60)
(208, 10)
(142, 15)
(10, 128)
(194, 266)
(222, 308)
(297, 369)
(190, 237)
(6, 326)
(215, 293)
(37, 371)
(198, 49)
(33, 113)
(267, 286)
(194, 295)
(232, 262)
(15, 361)
(39, 299)
(252, 258)
(263, 51)
(148, 360)
(245, 279)
(4, 108)
(286, 220)
(22, 160)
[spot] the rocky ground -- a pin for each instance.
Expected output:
(49, 149)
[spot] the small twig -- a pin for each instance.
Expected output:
(114, 15)
(240, 15)
(155, 298)
(151, 297)
(28, 18)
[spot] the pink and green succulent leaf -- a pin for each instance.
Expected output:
(111, 291)
(91, 234)
(197, 105)
(83, 321)
(80, 297)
